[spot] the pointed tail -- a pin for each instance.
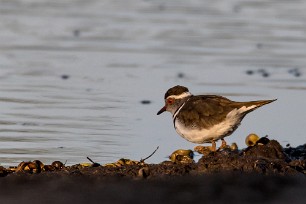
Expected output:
(256, 104)
(262, 102)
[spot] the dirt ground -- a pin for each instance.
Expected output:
(265, 173)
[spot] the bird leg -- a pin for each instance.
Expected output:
(213, 146)
(223, 144)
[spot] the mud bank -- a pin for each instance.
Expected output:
(263, 173)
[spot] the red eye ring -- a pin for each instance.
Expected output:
(170, 101)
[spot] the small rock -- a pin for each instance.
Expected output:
(65, 76)
(76, 33)
(144, 172)
(259, 45)
(58, 165)
(145, 102)
(266, 74)
(249, 72)
(181, 75)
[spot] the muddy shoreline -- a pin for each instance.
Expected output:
(262, 173)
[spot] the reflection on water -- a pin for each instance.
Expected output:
(74, 75)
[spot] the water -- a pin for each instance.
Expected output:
(73, 73)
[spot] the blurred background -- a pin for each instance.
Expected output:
(86, 78)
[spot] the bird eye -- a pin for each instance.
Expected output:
(170, 101)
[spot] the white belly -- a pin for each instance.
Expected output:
(215, 132)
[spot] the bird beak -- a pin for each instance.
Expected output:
(161, 110)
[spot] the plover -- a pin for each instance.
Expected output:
(206, 118)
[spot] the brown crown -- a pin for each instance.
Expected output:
(176, 90)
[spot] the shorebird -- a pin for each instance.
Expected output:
(206, 118)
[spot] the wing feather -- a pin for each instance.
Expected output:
(206, 110)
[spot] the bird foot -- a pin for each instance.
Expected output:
(205, 150)
(223, 144)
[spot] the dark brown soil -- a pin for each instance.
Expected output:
(263, 173)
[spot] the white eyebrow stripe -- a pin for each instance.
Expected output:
(182, 95)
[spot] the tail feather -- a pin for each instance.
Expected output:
(262, 102)
(257, 104)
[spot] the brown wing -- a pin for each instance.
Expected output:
(207, 110)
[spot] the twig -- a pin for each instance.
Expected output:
(94, 164)
(90, 160)
(142, 160)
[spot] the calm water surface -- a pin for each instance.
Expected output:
(73, 73)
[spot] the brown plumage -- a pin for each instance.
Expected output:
(206, 118)
(205, 111)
